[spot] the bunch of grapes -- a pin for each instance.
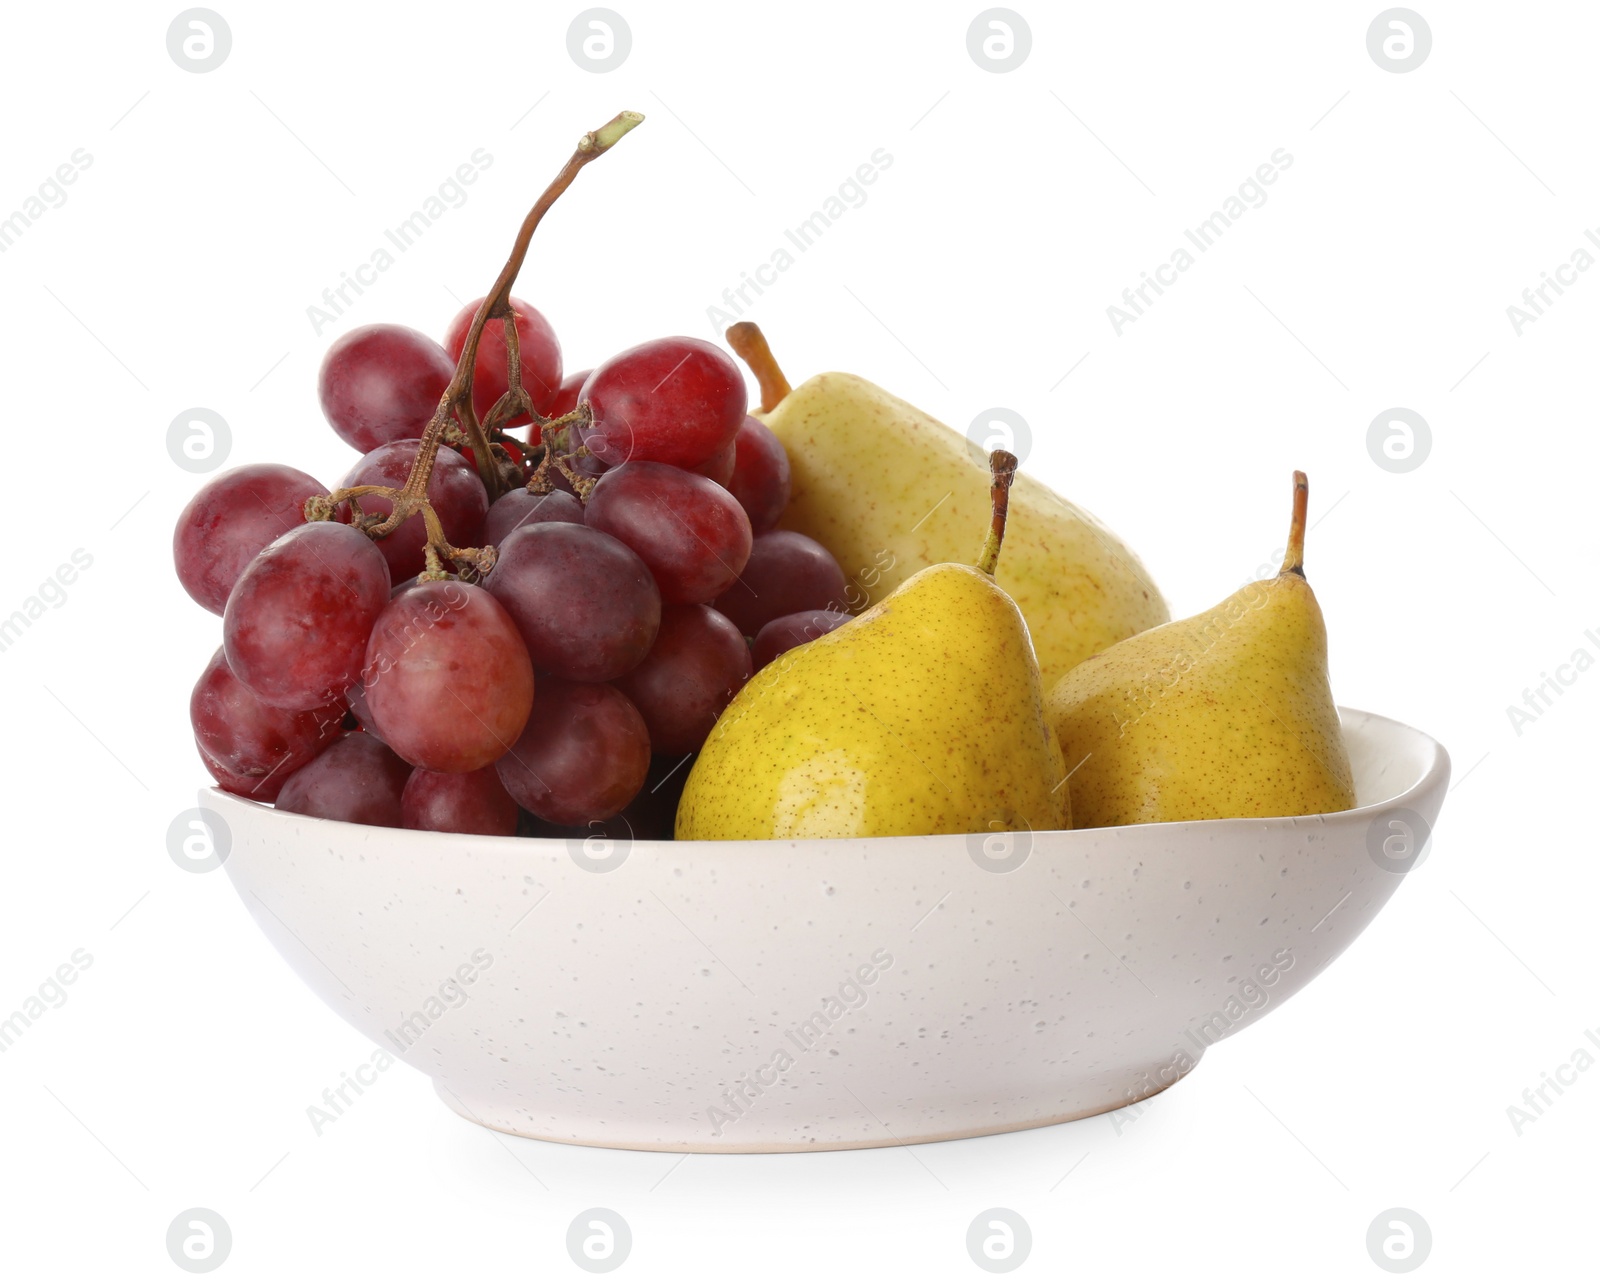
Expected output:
(532, 642)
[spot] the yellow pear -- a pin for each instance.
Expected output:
(1224, 715)
(1077, 584)
(923, 715)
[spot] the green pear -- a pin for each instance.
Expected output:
(923, 715)
(1078, 585)
(1224, 715)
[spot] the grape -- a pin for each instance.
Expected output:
(784, 634)
(760, 474)
(356, 697)
(519, 507)
(356, 779)
(231, 518)
(296, 626)
(720, 467)
(786, 572)
(537, 348)
(476, 802)
(566, 399)
(672, 400)
(454, 490)
(250, 747)
(650, 816)
(583, 757)
(585, 604)
(698, 663)
(690, 531)
(447, 677)
(382, 383)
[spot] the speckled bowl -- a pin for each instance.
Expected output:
(765, 997)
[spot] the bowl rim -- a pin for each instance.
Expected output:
(1435, 772)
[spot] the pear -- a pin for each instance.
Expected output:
(1224, 715)
(1079, 587)
(923, 715)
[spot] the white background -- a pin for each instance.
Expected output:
(218, 207)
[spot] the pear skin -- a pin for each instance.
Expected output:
(1079, 586)
(923, 715)
(1224, 715)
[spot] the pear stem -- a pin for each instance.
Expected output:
(1002, 471)
(750, 344)
(1294, 558)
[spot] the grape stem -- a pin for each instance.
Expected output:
(750, 345)
(455, 406)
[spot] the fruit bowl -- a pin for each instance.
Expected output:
(782, 996)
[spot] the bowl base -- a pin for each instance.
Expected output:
(493, 1119)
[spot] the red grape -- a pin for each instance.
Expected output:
(382, 383)
(476, 802)
(760, 474)
(583, 757)
(447, 677)
(650, 816)
(356, 697)
(454, 490)
(537, 348)
(698, 663)
(356, 779)
(720, 466)
(520, 507)
(584, 603)
(784, 634)
(690, 531)
(672, 400)
(296, 626)
(250, 747)
(566, 399)
(786, 572)
(231, 518)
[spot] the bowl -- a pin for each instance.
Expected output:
(755, 997)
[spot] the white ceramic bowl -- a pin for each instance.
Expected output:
(764, 997)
